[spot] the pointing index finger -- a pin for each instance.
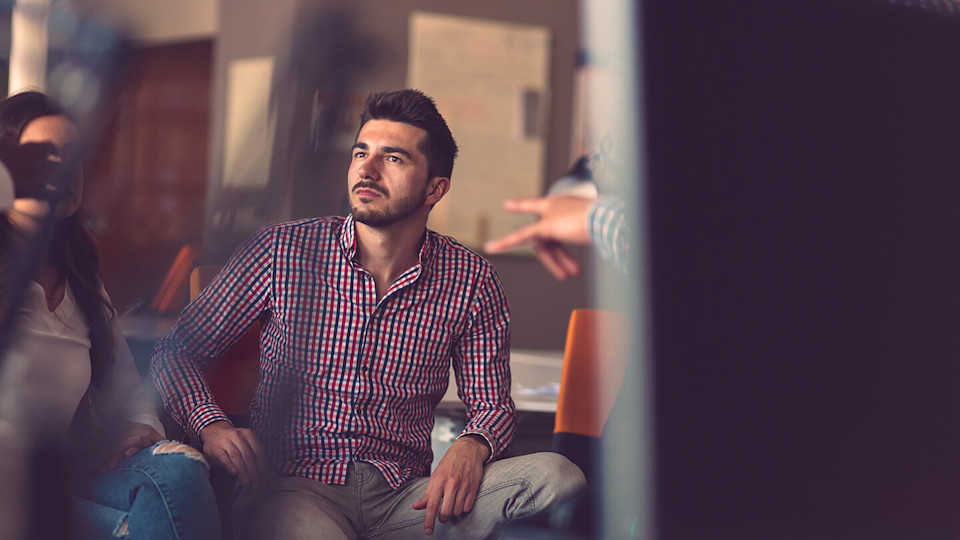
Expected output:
(529, 206)
(513, 239)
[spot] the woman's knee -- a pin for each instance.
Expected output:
(171, 465)
(179, 450)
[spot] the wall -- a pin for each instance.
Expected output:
(151, 22)
(347, 51)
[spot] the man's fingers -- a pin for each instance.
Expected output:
(529, 206)
(460, 502)
(563, 259)
(470, 500)
(433, 505)
(238, 450)
(543, 251)
(223, 458)
(246, 460)
(448, 504)
(513, 239)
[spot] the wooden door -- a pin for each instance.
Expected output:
(146, 185)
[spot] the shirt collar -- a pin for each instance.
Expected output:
(348, 238)
(348, 242)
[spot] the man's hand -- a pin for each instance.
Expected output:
(136, 437)
(453, 486)
(237, 450)
(563, 219)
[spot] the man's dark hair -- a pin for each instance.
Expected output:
(419, 110)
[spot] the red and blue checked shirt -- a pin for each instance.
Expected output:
(345, 377)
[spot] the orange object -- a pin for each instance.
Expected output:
(594, 361)
(172, 295)
(233, 378)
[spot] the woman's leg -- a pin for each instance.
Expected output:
(162, 492)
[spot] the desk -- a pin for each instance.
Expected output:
(536, 381)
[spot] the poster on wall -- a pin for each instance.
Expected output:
(491, 82)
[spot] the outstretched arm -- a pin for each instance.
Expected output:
(568, 220)
(563, 220)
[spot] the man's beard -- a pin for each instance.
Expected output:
(394, 211)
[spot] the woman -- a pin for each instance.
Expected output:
(69, 375)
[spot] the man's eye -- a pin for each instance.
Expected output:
(359, 154)
(393, 159)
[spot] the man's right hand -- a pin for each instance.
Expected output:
(237, 450)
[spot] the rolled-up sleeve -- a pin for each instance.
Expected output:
(609, 231)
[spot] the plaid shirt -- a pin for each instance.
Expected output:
(345, 377)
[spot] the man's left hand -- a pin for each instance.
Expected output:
(453, 486)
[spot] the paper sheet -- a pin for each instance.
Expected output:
(250, 124)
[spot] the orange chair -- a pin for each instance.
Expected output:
(172, 295)
(233, 378)
(594, 362)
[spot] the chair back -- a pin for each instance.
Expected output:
(594, 361)
(233, 378)
(172, 294)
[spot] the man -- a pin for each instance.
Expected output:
(361, 318)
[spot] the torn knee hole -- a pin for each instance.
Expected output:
(123, 529)
(174, 447)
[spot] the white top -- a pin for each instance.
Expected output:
(47, 370)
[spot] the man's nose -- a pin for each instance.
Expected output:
(369, 170)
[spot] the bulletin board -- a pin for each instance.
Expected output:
(491, 83)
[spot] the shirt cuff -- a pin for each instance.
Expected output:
(202, 417)
(608, 230)
(487, 436)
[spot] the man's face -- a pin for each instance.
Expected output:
(387, 178)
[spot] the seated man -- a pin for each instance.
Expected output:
(361, 318)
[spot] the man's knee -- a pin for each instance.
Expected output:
(559, 475)
(551, 476)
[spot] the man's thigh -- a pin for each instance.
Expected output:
(295, 508)
(511, 489)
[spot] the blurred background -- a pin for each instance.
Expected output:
(228, 116)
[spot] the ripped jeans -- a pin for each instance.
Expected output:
(162, 492)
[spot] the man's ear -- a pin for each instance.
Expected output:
(439, 186)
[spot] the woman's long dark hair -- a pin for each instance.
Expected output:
(72, 249)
